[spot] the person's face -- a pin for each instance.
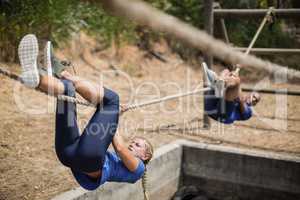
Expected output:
(138, 147)
(253, 98)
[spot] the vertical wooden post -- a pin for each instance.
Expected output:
(221, 24)
(223, 31)
(209, 27)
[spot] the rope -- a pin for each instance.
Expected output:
(267, 18)
(145, 184)
(144, 14)
(123, 108)
(167, 98)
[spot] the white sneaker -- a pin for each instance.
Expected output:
(47, 58)
(28, 52)
(210, 76)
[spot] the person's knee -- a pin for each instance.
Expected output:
(111, 97)
(115, 98)
(65, 158)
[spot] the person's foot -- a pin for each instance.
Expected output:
(210, 76)
(54, 66)
(28, 52)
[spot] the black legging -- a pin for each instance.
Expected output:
(85, 152)
(216, 107)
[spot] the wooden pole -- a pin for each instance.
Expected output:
(268, 51)
(209, 27)
(255, 13)
(272, 91)
(223, 30)
(222, 24)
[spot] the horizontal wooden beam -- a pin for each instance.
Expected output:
(255, 13)
(272, 91)
(267, 51)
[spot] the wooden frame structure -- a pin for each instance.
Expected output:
(213, 11)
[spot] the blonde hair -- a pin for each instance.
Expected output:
(149, 149)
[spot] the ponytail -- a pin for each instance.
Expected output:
(145, 184)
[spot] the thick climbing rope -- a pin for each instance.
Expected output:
(144, 14)
(267, 18)
(167, 98)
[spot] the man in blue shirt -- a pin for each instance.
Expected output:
(85, 154)
(231, 105)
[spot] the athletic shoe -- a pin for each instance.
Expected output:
(47, 58)
(210, 76)
(54, 66)
(219, 88)
(28, 52)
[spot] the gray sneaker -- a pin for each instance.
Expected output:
(210, 76)
(53, 65)
(28, 52)
(47, 58)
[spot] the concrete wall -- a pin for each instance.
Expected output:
(247, 174)
(163, 180)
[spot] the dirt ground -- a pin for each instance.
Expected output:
(29, 169)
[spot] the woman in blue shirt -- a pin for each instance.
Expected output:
(86, 154)
(233, 105)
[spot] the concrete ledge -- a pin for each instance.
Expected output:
(242, 173)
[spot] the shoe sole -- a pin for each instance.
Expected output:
(28, 52)
(47, 58)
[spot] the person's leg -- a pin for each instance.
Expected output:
(211, 103)
(85, 153)
(98, 134)
(51, 85)
(66, 129)
(219, 109)
(93, 93)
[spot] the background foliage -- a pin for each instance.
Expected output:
(57, 20)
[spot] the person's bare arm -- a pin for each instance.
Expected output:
(242, 104)
(129, 160)
(232, 83)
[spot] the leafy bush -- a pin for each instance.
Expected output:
(56, 20)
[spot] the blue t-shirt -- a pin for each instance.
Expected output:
(113, 170)
(233, 112)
